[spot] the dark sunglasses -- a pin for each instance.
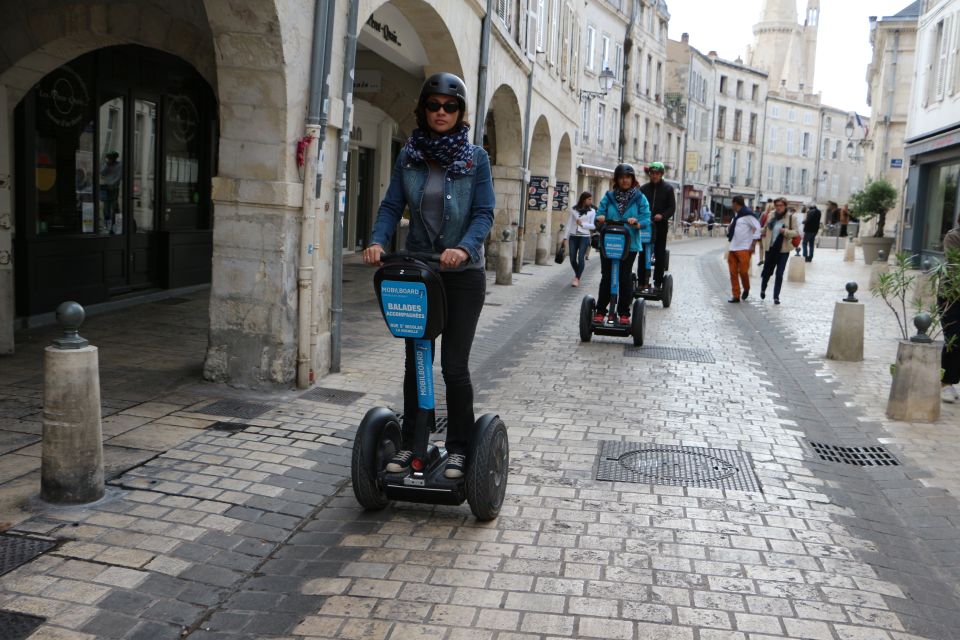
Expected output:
(450, 107)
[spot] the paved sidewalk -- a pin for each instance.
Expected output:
(253, 533)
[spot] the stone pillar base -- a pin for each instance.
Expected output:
(505, 263)
(876, 270)
(797, 269)
(915, 391)
(850, 252)
(542, 257)
(846, 332)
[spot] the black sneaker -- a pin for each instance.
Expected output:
(400, 462)
(763, 294)
(745, 294)
(455, 464)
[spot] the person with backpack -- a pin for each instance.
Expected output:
(623, 203)
(777, 237)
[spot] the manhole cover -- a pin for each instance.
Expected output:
(230, 427)
(874, 456)
(17, 626)
(332, 396)
(235, 409)
(669, 353)
(677, 466)
(18, 550)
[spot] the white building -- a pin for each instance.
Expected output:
(933, 131)
(790, 148)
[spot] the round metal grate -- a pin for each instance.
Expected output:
(679, 466)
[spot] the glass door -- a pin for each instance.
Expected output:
(143, 196)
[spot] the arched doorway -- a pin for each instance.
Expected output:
(503, 141)
(540, 190)
(564, 195)
(113, 156)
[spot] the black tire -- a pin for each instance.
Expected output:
(586, 318)
(667, 293)
(666, 260)
(378, 438)
(637, 322)
(489, 467)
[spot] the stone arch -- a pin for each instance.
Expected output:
(540, 191)
(505, 128)
(541, 158)
(565, 194)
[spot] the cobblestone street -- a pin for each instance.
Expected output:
(252, 531)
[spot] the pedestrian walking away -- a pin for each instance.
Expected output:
(743, 234)
(950, 317)
(775, 236)
(811, 227)
(663, 205)
(844, 221)
(446, 183)
(580, 224)
(623, 203)
(767, 212)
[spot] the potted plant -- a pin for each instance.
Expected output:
(878, 197)
(914, 392)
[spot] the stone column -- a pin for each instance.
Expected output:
(915, 391)
(6, 225)
(846, 332)
(71, 466)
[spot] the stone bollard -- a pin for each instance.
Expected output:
(850, 251)
(797, 270)
(878, 268)
(542, 256)
(505, 260)
(71, 466)
(846, 332)
(915, 391)
(924, 291)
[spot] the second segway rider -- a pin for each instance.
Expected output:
(446, 183)
(663, 205)
(623, 203)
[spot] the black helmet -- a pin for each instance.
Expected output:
(446, 84)
(624, 170)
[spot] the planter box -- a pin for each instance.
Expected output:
(871, 246)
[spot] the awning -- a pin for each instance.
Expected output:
(595, 171)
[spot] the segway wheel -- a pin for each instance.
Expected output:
(586, 318)
(637, 322)
(487, 471)
(378, 439)
(667, 293)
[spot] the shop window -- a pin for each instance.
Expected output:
(942, 196)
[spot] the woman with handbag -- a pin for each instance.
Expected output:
(579, 227)
(777, 239)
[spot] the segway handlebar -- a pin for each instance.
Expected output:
(415, 255)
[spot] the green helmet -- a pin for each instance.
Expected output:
(656, 166)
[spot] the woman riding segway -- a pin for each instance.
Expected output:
(446, 183)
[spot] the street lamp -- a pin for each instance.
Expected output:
(607, 78)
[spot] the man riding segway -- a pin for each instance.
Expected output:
(663, 205)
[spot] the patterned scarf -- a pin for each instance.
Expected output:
(452, 151)
(623, 198)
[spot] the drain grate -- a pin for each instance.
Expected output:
(230, 427)
(677, 466)
(18, 626)
(18, 550)
(234, 409)
(875, 456)
(341, 397)
(669, 353)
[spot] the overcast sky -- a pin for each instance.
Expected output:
(843, 44)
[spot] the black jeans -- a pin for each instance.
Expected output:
(774, 261)
(625, 297)
(950, 358)
(465, 292)
(808, 240)
(578, 246)
(660, 232)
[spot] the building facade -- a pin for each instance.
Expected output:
(785, 47)
(933, 131)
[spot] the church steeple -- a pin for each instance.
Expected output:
(783, 46)
(810, 26)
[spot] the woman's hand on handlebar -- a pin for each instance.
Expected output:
(631, 221)
(453, 258)
(371, 255)
(600, 219)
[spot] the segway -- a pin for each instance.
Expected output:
(614, 242)
(663, 293)
(413, 302)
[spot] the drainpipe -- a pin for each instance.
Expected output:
(683, 158)
(346, 92)
(525, 182)
(313, 137)
(818, 151)
(481, 120)
(763, 144)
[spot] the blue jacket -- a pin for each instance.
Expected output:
(467, 207)
(637, 208)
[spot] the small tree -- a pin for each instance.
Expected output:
(878, 197)
(896, 287)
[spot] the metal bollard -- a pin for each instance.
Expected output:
(71, 467)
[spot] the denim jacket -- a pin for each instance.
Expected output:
(467, 207)
(637, 208)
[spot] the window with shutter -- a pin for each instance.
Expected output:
(541, 23)
(554, 30)
(955, 81)
(943, 31)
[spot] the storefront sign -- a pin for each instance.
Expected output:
(561, 196)
(388, 34)
(367, 81)
(720, 191)
(538, 193)
(692, 161)
(896, 163)
(64, 97)
(183, 117)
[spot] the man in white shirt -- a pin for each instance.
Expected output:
(743, 234)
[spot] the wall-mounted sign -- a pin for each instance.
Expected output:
(64, 97)
(561, 196)
(692, 161)
(367, 81)
(388, 34)
(538, 193)
(184, 118)
(720, 191)
(896, 163)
